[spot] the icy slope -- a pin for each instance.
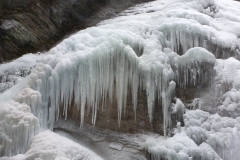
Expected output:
(154, 48)
(48, 145)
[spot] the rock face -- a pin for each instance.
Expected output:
(36, 25)
(11, 4)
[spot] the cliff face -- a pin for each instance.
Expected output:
(36, 25)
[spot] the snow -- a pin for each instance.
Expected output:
(104, 59)
(155, 48)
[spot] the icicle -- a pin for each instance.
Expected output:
(167, 96)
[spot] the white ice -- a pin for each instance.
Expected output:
(17, 127)
(48, 146)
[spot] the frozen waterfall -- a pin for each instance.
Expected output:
(152, 48)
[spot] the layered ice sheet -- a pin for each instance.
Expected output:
(152, 48)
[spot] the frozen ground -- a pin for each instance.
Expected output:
(153, 47)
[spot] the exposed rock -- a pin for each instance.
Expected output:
(107, 144)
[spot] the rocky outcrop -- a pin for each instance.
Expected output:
(36, 25)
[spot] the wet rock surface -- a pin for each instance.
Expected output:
(106, 143)
(37, 25)
(107, 116)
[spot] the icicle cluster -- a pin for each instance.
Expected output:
(184, 35)
(92, 79)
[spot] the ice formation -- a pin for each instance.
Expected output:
(13, 72)
(204, 136)
(153, 48)
(48, 145)
(17, 127)
(178, 110)
(179, 147)
(226, 91)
